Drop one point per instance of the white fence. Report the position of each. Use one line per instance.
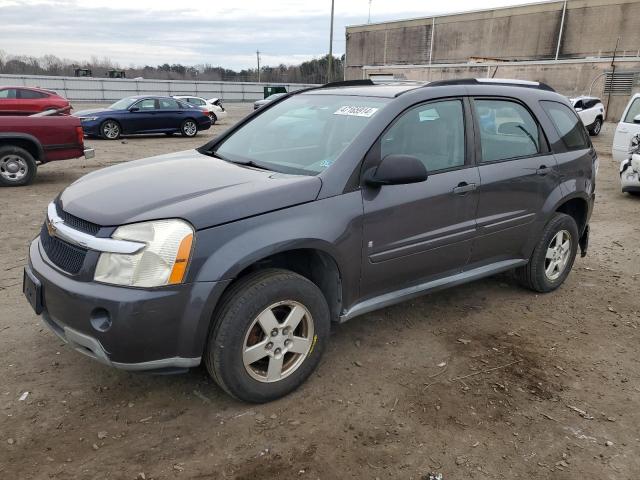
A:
(112, 89)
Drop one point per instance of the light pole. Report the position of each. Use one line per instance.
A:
(258, 57)
(369, 17)
(330, 64)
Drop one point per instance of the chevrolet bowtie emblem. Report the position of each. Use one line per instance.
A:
(51, 228)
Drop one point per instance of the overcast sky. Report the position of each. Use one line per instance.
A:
(225, 33)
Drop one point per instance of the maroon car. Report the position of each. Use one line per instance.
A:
(27, 101)
(27, 141)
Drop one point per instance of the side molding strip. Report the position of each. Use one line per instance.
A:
(398, 296)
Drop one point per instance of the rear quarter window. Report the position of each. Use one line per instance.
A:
(567, 124)
(30, 94)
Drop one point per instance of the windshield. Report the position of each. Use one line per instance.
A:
(303, 134)
(123, 104)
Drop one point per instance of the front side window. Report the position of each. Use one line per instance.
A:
(507, 130)
(634, 111)
(567, 124)
(433, 132)
(303, 134)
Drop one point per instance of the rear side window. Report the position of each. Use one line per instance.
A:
(567, 124)
(8, 93)
(507, 130)
(634, 110)
(433, 132)
(168, 104)
(30, 94)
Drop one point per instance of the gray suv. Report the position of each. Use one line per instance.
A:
(321, 206)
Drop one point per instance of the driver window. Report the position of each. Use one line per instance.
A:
(433, 132)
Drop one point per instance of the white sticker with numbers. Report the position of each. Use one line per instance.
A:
(356, 111)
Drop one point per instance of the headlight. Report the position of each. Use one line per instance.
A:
(88, 119)
(163, 261)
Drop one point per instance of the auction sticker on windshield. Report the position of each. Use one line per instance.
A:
(356, 111)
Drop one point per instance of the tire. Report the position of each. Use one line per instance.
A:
(110, 130)
(594, 130)
(17, 167)
(213, 118)
(236, 326)
(535, 275)
(189, 128)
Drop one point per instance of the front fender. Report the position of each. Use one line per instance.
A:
(332, 225)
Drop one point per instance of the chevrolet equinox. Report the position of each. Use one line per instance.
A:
(323, 205)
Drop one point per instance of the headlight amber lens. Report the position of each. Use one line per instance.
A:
(163, 261)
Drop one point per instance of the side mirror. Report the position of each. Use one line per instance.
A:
(397, 170)
(134, 109)
(636, 119)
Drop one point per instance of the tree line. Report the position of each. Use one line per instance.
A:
(312, 71)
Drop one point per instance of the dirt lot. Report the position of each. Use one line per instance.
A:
(482, 381)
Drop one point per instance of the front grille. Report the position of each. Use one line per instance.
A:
(65, 256)
(77, 223)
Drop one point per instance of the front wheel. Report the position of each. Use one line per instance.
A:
(268, 336)
(553, 256)
(596, 127)
(189, 128)
(17, 167)
(110, 129)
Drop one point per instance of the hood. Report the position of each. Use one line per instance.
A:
(203, 190)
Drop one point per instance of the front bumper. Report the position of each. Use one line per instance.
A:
(128, 328)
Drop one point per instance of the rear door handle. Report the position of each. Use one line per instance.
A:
(543, 170)
(463, 188)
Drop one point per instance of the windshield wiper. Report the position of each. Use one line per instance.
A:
(248, 163)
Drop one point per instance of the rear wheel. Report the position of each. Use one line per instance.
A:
(17, 167)
(110, 129)
(594, 130)
(553, 256)
(189, 128)
(213, 118)
(268, 336)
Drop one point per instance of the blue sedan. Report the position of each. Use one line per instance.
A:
(144, 114)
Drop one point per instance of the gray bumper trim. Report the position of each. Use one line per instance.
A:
(91, 347)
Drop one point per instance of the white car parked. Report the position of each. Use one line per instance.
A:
(213, 105)
(630, 168)
(591, 112)
(628, 127)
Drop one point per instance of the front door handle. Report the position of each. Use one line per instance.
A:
(543, 170)
(463, 188)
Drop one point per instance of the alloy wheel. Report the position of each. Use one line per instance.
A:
(557, 256)
(278, 341)
(189, 128)
(111, 130)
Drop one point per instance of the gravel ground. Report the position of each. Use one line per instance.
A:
(483, 381)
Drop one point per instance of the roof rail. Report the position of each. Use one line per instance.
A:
(348, 83)
(492, 81)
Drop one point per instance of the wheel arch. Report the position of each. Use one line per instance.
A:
(311, 261)
(26, 141)
(576, 207)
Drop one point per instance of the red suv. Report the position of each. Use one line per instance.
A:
(27, 100)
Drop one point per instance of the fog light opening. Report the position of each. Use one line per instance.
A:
(100, 319)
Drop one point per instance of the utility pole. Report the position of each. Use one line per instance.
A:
(258, 57)
(330, 64)
(369, 17)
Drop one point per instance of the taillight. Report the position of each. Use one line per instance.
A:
(79, 135)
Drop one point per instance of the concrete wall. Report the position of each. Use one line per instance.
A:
(529, 32)
(569, 77)
(110, 90)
